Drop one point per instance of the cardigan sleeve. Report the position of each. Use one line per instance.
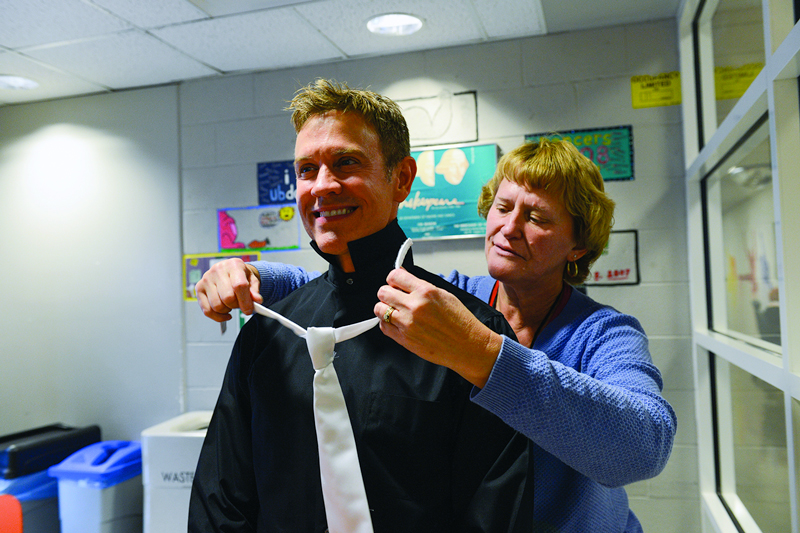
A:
(278, 280)
(601, 413)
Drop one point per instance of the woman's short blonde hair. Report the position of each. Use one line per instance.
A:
(556, 166)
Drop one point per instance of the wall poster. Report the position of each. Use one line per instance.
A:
(656, 91)
(259, 228)
(619, 262)
(444, 198)
(447, 118)
(276, 182)
(611, 149)
(195, 265)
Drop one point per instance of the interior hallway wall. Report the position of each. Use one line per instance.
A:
(90, 321)
(551, 83)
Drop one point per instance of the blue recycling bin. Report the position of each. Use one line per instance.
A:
(24, 459)
(100, 488)
(38, 496)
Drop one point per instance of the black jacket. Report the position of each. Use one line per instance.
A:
(432, 461)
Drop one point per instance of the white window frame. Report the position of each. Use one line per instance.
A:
(774, 91)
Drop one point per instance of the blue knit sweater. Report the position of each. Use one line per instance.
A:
(587, 393)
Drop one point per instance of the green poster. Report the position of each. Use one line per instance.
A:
(444, 198)
(611, 149)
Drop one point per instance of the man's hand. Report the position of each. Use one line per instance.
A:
(229, 284)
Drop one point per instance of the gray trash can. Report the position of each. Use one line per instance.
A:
(100, 488)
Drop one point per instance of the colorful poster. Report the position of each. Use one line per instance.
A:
(619, 262)
(260, 228)
(276, 183)
(444, 198)
(611, 149)
(195, 265)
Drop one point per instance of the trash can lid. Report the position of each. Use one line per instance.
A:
(34, 450)
(104, 463)
(38, 486)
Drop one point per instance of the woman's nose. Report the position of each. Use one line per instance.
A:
(511, 225)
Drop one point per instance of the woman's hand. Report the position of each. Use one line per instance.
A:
(227, 285)
(436, 326)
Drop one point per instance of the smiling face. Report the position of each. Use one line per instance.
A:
(343, 191)
(529, 237)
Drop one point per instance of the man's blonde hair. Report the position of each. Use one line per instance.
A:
(380, 112)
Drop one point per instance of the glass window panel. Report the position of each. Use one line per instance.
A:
(741, 209)
(738, 36)
(796, 426)
(759, 453)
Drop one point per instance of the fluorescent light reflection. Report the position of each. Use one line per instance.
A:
(17, 83)
(59, 169)
(397, 24)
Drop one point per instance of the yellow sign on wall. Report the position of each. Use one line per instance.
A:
(732, 82)
(656, 91)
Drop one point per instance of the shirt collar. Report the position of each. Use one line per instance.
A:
(373, 256)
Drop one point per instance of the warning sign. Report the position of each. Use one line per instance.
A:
(656, 91)
(732, 82)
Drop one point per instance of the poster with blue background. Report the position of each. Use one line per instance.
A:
(276, 182)
(444, 198)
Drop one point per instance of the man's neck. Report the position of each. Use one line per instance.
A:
(371, 253)
(346, 263)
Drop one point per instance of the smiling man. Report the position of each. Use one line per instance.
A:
(344, 189)
(431, 460)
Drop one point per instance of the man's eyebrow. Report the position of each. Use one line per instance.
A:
(337, 153)
(347, 151)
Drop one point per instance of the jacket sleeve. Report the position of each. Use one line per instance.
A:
(278, 280)
(223, 496)
(607, 420)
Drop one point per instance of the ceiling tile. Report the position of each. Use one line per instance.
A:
(52, 83)
(34, 22)
(153, 13)
(96, 45)
(564, 16)
(218, 8)
(263, 40)
(128, 59)
(511, 18)
(444, 24)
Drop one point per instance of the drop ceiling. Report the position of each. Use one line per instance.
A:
(76, 47)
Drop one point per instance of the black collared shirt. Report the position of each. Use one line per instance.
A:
(432, 461)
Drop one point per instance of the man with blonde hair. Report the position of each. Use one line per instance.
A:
(431, 460)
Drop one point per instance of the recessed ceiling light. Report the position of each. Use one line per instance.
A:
(16, 82)
(394, 24)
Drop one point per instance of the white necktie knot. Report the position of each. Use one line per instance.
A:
(320, 343)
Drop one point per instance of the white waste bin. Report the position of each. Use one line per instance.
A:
(100, 488)
(170, 451)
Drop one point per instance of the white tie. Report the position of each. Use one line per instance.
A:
(343, 491)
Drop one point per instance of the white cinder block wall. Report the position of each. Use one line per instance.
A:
(552, 83)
